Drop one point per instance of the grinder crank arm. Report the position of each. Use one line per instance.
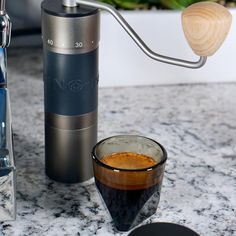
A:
(205, 25)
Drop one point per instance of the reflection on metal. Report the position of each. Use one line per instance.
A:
(3, 76)
(5, 29)
(7, 163)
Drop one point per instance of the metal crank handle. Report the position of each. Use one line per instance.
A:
(205, 25)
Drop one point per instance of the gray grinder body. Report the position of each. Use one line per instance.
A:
(70, 55)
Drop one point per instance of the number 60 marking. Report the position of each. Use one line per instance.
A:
(50, 42)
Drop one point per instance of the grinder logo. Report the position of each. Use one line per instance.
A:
(76, 85)
(73, 86)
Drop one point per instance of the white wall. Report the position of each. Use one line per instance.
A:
(122, 63)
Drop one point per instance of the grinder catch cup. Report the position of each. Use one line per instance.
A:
(70, 30)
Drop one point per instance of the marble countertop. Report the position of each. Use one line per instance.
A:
(196, 124)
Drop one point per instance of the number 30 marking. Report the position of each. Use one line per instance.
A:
(78, 44)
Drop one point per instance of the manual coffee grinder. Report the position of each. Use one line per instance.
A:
(70, 30)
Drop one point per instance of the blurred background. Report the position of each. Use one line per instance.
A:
(25, 14)
(158, 22)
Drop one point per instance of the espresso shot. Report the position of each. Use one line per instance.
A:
(129, 181)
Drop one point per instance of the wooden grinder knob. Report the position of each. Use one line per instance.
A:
(206, 25)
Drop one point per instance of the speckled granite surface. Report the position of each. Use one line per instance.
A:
(196, 124)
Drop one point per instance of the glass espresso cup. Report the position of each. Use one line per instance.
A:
(128, 173)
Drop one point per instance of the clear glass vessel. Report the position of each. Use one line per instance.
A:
(130, 194)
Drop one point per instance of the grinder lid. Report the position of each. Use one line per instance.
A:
(163, 229)
(56, 8)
